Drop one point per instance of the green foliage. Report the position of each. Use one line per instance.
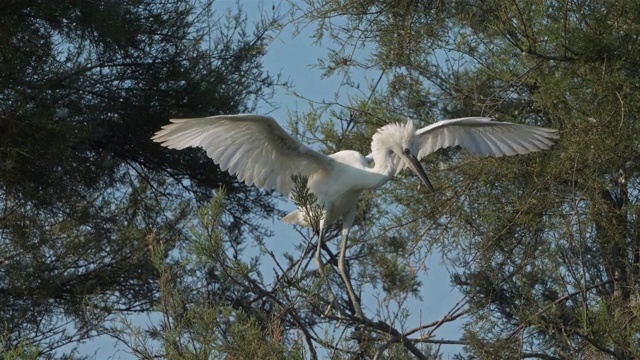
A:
(82, 188)
(200, 321)
(545, 245)
(20, 351)
(307, 201)
(544, 248)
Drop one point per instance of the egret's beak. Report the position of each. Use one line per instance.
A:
(416, 167)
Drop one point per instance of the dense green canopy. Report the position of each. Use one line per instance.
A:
(83, 86)
(543, 249)
(546, 246)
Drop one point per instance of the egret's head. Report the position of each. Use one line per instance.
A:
(395, 146)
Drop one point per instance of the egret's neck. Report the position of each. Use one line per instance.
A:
(375, 180)
(383, 165)
(381, 172)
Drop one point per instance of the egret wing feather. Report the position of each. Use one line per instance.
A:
(481, 135)
(253, 147)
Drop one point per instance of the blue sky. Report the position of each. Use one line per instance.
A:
(293, 57)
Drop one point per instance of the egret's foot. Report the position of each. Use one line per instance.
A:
(333, 306)
(359, 313)
(356, 305)
(339, 312)
(329, 310)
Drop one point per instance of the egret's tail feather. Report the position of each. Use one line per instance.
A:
(295, 218)
(291, 218)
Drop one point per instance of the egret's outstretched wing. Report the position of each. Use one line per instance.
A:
(481, 135)
(253, 147)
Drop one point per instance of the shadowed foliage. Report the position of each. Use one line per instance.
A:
(543, 250)
(84, 84)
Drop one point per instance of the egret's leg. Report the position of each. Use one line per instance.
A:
(320, 265)
(318, 255)
(347, 222)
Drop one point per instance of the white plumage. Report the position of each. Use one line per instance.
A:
(483, 136)
(252, 147)
(259, 152)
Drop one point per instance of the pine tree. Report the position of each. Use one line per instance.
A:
(546, 244)
(82, 188)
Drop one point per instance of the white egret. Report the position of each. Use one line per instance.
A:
(259, 152)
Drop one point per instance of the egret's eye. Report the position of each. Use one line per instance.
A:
(407, 151)
(370, 163)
